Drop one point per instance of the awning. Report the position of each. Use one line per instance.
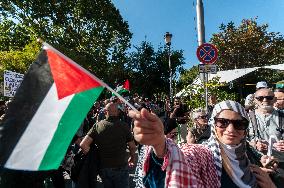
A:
(230, 75)
(227, 76)
(278, 67)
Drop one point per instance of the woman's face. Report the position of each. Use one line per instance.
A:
(229, 135)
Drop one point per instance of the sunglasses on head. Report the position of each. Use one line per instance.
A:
(238, 124)
(260, 98)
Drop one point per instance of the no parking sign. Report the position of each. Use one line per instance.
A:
(207, 53)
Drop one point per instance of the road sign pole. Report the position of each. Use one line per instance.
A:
(206, 92)
(207, 54)
(201, 40)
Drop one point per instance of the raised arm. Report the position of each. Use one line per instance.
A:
(149, 130)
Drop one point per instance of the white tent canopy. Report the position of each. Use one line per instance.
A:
(278, 67)
(228, 76)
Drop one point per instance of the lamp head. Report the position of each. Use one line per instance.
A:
(168, 38)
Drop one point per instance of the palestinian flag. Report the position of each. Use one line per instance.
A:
(125, 88)
(48, 108)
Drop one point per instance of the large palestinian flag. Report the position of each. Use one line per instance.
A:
(47, 110)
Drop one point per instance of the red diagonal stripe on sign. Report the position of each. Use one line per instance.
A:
(206, 53)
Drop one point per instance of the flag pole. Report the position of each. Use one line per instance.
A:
(88, 73)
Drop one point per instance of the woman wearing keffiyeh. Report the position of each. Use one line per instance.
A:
(222, 163)
(229, 123)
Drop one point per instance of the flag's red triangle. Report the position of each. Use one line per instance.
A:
(126, 85)
(67, 77)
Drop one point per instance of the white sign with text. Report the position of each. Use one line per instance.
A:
(12, 80)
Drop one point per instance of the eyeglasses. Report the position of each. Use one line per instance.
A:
(260, 98)
(202, 117)
(238, 124)
(280, 99)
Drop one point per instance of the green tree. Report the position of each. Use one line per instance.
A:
(13, 36)
(248, 45)
(18, 60)
(244, 46)
(91, 32)
(196, 97)
(149, 70)
(188, 76)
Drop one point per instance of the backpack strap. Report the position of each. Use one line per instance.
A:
(254, 124)
(280, 128)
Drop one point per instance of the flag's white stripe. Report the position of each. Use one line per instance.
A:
(33, 144)
(118, 88)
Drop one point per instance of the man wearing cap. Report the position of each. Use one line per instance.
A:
(264, 123)
(249, 102)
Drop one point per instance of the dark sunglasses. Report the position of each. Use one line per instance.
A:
(238, 124)
(203, 117)
(260, 98)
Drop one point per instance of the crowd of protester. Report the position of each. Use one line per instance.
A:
(227, 145)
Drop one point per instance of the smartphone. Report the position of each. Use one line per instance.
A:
(270, 164)
(272, 140)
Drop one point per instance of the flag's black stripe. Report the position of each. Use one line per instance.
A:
(27, 100)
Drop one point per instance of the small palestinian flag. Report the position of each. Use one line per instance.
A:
(125, 88)
(48, 108)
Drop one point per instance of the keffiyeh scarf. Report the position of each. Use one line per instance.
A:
(232, 158)
(190, 165)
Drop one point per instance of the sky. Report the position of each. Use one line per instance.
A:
(150, 19)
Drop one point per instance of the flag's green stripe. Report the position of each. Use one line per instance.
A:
(68, 126)
(121, 91)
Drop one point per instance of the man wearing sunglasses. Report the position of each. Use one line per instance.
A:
(264, 122)
(200, 131)
(249, 102)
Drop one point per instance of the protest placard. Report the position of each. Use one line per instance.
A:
(12, 80)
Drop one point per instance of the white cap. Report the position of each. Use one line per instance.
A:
(261, 84)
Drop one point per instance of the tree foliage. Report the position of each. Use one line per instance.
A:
(188, 76)
(248, 45)
(244, 46)
(149, 70)
(18, 60)
(91, 32)
(197, 93)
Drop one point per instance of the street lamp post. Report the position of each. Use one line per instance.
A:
(168, 38)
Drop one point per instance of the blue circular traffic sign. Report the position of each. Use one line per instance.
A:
(207, 53)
